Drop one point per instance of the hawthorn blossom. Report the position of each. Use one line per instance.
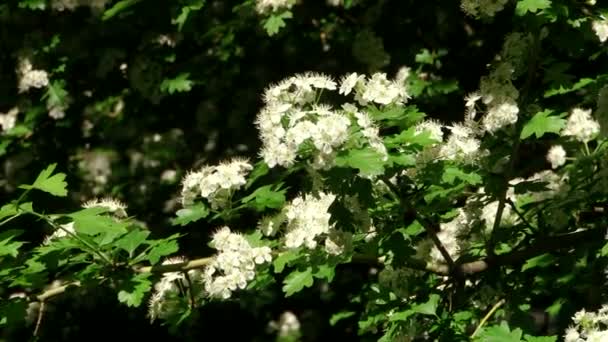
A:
(581, 125)
(30, 77)
(588, 326)
(8, 119)
(556, 156)
(600, 27)
(500, 115)
(115, 207)
(215, 183)
(307, 219)
(269, 6)
(234, 266)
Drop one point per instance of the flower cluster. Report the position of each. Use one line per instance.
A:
(581, 125)
(270, 6)
(71, 5)
(235, 264)
(450, 234)
(479, 8)
(600, 27)
(556, 156)
(116, 208)
(215, 183)
(293, 124)
(288, 325)
(30, 77)
(377, 89)
(589, 326)
(461, 145)
(496, 90)
(8, 119)
(308, 218)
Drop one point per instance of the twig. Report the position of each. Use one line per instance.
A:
(426, 225)
(487, 316)
(39, 319)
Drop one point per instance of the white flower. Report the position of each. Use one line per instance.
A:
(581, 125)
(30, 78)
(268, 6)
(600, 27)
(556, 156)
(349, 82)
(307, 219)
(8, 119)
(460, 145)
(380, 90)
(115, 207)
(499, 116)
(215, 183)
(234, 266)
(433, 127)
(449, 237)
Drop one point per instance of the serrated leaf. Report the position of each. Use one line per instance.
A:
(297, 280)
(7, 246)
(542, 260)
(532, 6)
(583, 82)
(132, 240)
(368, 161)
(410, 137)
(275, 22)
(190, 214)
(90, 221)
(133, 291)
(541, 123)
(335, 318)
(325, 271)
(117, 8)
(428, 308)
(265, 197)
(402, 159)
(180, 20)
(56, 95)
(283, 259)
(500, 333)
(55, 184)
(161, 249)
(450, 174)
(180, 83)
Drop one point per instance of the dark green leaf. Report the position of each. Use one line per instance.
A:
(132, 292)
(283, 259)
(335, 318)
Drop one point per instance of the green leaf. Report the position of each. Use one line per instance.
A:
(117, 8)
(325, 271)
(402, 159)
(297, 280)
(450, 174)
(335, 318)
(428, 308)
(410, 137)
(185, 13)
(55, 184)
(132, 292)
(500, 333)
(542, 123)
(283, 259)
(180, 83)
(368, 161)
(583, 82)
(542, 260)
(7, 246)
(33, 4)
(132, 240)
(275, 22)
(56, 95)
(90, 221)
(190, 214)
(532, 6)
(162, 248)
(266, 197)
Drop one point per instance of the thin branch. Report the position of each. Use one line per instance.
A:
(425, 224)
(487, 316)
(39, 319)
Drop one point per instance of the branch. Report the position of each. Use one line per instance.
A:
(430, 230)
(157, 269)
(542, 245)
